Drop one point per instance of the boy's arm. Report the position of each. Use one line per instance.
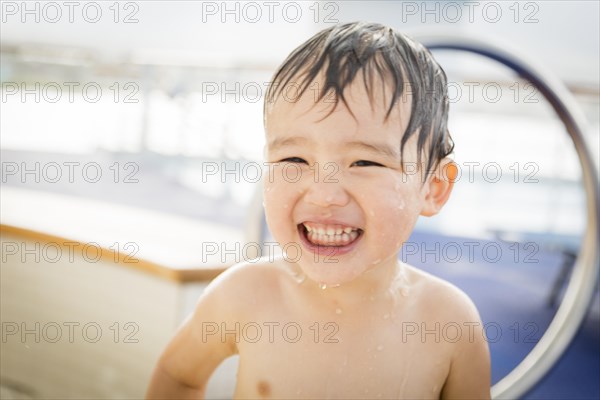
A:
(470, 374)
(194, 352)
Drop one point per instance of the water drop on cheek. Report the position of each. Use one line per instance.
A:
(338, 311)
(323, 285)
(401, 205)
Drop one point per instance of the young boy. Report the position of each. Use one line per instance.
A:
(350, 114)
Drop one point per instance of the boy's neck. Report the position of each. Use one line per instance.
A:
(384, 281)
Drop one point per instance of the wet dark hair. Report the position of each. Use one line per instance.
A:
(342, 51)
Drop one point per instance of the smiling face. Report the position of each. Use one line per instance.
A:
(337, 190)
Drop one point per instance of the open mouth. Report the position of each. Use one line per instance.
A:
(329, 236)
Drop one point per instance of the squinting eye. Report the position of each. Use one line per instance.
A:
(366, 163)
(294, 160)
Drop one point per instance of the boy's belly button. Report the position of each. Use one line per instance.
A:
(263, 388)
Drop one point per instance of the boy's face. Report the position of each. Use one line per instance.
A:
(337, 199)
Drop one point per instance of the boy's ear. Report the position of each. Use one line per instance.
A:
(440, 185)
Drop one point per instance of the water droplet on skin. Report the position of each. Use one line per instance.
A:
(400, 285)
(300, 278)
(335, 285)
(268, 189)
(297, 275)
(379, 348)
(401, 205)
(376, 261)
(386, 316)
(323, 285)
(338, 311)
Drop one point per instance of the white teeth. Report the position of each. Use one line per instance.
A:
(331, 235)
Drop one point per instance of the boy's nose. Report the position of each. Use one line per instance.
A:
(326, 193)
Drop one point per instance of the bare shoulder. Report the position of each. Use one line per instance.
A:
(246, 284)
(440, 298)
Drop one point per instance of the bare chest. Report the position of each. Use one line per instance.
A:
(336, 359)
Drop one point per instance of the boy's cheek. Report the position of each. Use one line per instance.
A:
(276, 221)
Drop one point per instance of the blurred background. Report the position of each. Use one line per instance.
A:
(136, 128)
